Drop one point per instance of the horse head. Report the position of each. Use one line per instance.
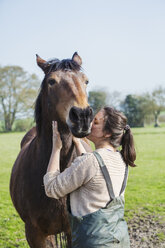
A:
(63, 96)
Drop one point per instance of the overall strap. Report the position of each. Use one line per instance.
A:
(125, 180)
(105, 174)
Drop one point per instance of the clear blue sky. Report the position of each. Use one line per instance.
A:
(121, 42)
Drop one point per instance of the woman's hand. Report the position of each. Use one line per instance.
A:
(76, 141)
(56, 139)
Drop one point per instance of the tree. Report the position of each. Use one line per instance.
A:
(139, 107)
(97, 100)
(18, 90)
(132, 108)
(144, 102)
(157, 103)
(154, 103)
(114, 99)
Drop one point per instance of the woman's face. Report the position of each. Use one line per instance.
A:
(97, 126)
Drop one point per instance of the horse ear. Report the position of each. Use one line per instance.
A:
(77, 58)
(42, 63)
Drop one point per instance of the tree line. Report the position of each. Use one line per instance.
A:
(19, 89)
(139, 109)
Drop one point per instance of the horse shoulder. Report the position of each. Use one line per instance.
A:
(31, 134)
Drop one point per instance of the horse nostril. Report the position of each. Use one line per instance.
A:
(91, 111)
(73, 114)
(91, 114)
(83, 115)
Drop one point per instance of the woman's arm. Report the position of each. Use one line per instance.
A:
(54, 161)
(80, 172)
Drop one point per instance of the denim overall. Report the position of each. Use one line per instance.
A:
(106, 227)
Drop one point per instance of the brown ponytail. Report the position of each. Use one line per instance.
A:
(121, 135)
(128, 150)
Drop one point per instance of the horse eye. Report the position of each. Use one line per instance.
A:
(87, 82)
(51, 81)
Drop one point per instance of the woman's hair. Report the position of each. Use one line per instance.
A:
(121, 135)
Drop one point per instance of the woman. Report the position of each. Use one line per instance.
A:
(96, 182)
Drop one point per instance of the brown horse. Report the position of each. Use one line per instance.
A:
(62, 98)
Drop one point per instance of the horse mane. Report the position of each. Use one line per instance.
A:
(38, 113)
(54, 65)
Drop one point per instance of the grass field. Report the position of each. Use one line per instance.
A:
(145, 188)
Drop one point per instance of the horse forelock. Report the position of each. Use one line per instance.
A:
(65, 64)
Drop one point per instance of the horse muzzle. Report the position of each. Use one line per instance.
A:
(80, 121)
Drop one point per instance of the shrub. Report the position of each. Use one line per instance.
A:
(23, 125)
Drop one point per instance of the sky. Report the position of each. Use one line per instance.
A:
(121, 42)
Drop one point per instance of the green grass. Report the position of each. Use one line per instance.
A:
(161, 235)
(11, 226)
(144, 193)
(146, 184)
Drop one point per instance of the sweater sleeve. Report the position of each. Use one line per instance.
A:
(82, 169)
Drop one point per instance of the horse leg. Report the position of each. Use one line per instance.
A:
(37, 239)
(69, 240)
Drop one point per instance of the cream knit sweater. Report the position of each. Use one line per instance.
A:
(85, 181)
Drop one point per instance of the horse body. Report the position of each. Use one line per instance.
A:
(41, 214)
(44, 216)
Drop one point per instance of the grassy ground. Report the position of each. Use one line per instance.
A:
(145, 188)
(146, 182)
(11, 226)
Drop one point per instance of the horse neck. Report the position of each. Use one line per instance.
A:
(68, 151)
